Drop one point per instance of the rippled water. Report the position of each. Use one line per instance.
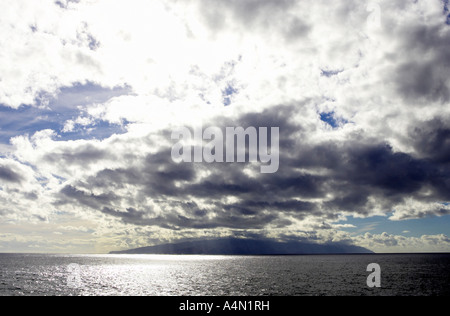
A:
(153, 275)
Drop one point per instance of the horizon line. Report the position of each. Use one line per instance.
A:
(202, 254)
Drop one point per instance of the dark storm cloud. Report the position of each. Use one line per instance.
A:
(424, 73)
(253, 207)
(278, 116)
(32, 196)
(245, 11)
(175, 221)
(379, 167)
(295, 28)
(432, 140)
(249, 9)
(156, 175)
(69, 194)
(354, 173)
(133, 216)
(83, 155)
(252, 14)
(360, 170)
(8, 175)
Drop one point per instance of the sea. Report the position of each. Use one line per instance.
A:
(178, 275)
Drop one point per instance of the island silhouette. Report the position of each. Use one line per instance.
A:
(238, 246)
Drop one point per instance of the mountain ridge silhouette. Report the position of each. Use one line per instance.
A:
(237, 246)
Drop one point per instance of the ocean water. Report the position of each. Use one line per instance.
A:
(159, 275)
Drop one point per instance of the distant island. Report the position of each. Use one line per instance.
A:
(237, 246)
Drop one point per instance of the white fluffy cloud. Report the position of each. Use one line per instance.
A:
(395, 244)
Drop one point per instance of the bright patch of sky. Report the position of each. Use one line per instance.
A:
(413, 227)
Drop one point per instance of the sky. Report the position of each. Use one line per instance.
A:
(91, 90)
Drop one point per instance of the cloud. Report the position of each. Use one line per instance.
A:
(143, 186)
(84, 155)
(253, 15)
(424, 80)
(395, 243)
(412, 209)
(9, 175)
(431, 140)
(21, 195)
(15, 174)
(45, 45)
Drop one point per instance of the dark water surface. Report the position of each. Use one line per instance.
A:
(156, 275)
